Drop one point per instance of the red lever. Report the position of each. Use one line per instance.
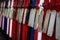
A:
(57, 4)
(18, 3)
(26, 3)
(52, 4)
(46, 4)
(37, 3)
(13, 29)
(14, 19)
(15, 4)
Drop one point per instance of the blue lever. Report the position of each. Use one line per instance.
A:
(5, 24)
(5, 18)
(30, 33)
(6, 4)
(33, 4)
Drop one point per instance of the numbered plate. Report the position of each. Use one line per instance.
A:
(31, 18)
(24, 18)
(46, 22)
(51, 23)
(20, 12)
(40, 20)
(36, 20)
(58, 26)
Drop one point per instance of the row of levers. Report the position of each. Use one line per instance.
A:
(30, 19)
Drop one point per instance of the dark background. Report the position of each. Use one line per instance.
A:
(2, 0)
